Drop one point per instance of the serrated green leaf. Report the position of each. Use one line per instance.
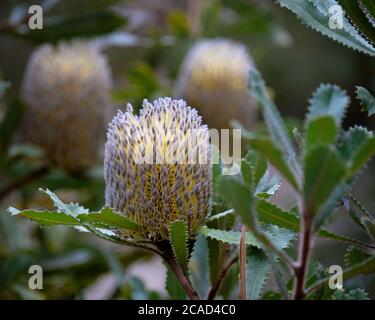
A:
(328, 100)
(315, 272)
(333, 236)
(281, 237)
(362, 268)
(358, 17)
(365, 267)
(107, 218)
(74, 214)
(45, 217)
(268, 185)
(274, 155)
(368, 7)
(278, 274)
(230, 237)
(354, 255)
(257, 270)
(352, 213)
(270, 213)
(178, 236)
(199, 269)
(315, 14)
(324, 171)
(253, 168)
(363, 154)
(71, 209)
(320, 130)
(106, 235)
(275, 123)
(352, 140)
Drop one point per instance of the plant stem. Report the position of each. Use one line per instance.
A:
(300, 269)
(17, 184)
(220, 279)
(166, 253)
(243, 264)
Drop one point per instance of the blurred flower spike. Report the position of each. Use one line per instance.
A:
(66, 89)
(214, 78)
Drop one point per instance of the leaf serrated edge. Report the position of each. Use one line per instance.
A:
(321, 87)
(370, 49)
(183, 264)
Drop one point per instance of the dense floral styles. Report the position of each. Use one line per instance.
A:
(158, 166)
(66, 89)
(214, 78)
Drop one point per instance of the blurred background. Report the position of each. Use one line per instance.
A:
(145, 42)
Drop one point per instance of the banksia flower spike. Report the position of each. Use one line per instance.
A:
(214, 78)
(67, 93)
(158, 167)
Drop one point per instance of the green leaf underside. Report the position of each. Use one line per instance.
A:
(199, 269)
(324, 171)
(76, 215)
(104, 235)
(281, 237)
(178, 236)
(367, 100)
(257, 270)
(68, 209)
(315, 14)
(174, 287)
(328, 100)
